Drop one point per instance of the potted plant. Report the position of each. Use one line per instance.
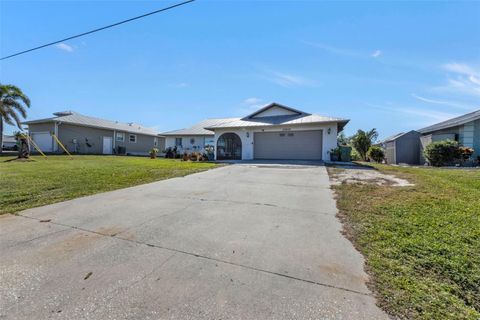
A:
(335, 154)
(153, 153)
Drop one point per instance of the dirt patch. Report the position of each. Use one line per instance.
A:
(364, 175)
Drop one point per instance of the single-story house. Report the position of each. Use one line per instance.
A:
(89, 135)
(465, 129)
(9, 142)
(194, 138)
(402, 148)
(276, 132)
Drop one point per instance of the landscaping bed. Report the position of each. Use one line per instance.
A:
(44, 181)
(421, 242)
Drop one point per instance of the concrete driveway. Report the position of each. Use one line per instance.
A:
(243, 241)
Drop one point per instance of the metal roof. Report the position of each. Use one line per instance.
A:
(199, 128)
(279, 120)
(472, 116)
(82, 120)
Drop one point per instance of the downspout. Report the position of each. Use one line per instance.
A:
(114, 138)
(55, 132)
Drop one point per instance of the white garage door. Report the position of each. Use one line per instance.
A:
(288, 145)
(43, 140)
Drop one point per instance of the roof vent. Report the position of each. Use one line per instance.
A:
(63, 113)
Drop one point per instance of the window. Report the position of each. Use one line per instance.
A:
(290, 134)
(155, 142)
(121, 136)
(282, 134)
(178, 142)
(132, 138)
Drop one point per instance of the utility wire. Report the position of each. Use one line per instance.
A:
(99, 29)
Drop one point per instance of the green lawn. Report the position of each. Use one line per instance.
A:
(30, 184)
(421, 243)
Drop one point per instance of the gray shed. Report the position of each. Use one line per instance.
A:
(402, 148)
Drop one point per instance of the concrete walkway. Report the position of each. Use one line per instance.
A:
(244, 241)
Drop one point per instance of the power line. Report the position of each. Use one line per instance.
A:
(99, 29)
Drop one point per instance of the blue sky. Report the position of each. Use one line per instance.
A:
(394, 66)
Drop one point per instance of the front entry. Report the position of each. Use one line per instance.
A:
(107, 145)
(229, 147)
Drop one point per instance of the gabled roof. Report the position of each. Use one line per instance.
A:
(199, 128)
(472, 116)
(87, 121)
(396, 136)
(293, 117)
(289, 111)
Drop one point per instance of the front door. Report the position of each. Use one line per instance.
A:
(107, 145)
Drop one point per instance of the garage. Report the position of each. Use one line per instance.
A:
(43, 140)
(288, 145)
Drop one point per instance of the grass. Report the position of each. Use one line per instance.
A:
(421, 243)
(25, 185)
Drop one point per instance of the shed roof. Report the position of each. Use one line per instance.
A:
(472, 116)
(82, 120)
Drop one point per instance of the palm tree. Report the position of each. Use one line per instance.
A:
(13, 104)
(363, 140)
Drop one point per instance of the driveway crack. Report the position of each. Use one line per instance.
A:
(214, 259)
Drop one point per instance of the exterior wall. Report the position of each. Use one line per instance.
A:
(246, 136)
(274, 111)
(141, 147)
(407, 148)
(68, 133)
(476, 138)
(187, 146)
(390, 152)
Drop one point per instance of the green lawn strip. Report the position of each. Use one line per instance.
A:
(25, 185)
(421, 243)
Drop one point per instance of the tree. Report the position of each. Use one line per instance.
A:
(342, 139)
(13, 105)
(363, 140)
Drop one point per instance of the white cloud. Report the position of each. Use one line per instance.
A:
(427, 115)
(460, 68)
(332, 49)
(64, 47)
(253, 100)
(288, 80)
(444, 102)
(464, 79)
(377, 53)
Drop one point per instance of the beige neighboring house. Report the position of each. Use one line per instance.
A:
(88, 135)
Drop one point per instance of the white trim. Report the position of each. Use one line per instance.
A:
(114, 139)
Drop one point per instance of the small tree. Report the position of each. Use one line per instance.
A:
(363, 140)
(442, 153)
(376, 154)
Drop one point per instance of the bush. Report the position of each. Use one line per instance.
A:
(355, 156)
(376, 154)
(442, 153)
(362, 141)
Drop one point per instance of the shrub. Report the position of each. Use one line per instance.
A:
(442, 153)
(376, 154)
(362, 141)
(355, 156)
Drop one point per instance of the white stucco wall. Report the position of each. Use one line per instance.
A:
(246, 136)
